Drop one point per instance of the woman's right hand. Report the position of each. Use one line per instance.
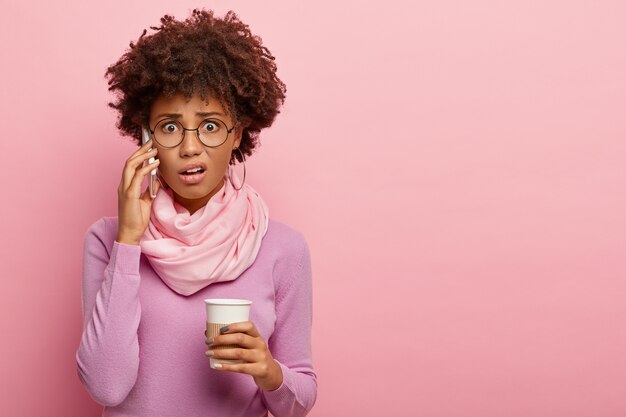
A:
(133, 207)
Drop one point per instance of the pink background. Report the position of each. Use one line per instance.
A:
(458, 169)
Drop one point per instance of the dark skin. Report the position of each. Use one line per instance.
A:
(134, 216)
(252, 349)
(193, 197)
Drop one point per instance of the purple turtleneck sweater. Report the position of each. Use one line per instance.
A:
(142, 348)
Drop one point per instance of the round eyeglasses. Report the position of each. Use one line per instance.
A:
(211, 132)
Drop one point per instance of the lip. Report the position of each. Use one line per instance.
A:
(192, 179)
(191, 166)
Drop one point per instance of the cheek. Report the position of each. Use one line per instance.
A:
(164, 166)
(167, 168)
(219, 160)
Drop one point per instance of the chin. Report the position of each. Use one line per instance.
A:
(196, 191)
(192, 192)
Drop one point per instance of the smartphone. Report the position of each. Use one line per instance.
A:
(153, 173)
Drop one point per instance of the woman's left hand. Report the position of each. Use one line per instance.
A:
(252, 350)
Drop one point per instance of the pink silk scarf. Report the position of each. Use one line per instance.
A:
(217, 243)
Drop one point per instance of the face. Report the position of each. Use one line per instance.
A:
(192, 191)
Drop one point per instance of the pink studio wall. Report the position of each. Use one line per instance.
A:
(458, 169)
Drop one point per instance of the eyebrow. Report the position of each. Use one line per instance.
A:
(178, 115)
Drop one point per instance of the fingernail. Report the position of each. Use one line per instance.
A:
(217, 365)
(209, 341)
(224, 329)
(209, 353)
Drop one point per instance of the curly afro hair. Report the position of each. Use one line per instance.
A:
(202, 55)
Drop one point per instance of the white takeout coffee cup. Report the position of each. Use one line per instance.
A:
(221, 312)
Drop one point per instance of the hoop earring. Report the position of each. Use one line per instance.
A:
(243, 158)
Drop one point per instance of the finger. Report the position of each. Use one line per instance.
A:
(143, 148)
(240, 339)
(134, 189)
(133, 164)
(246, 327)
(247, 355)
(242, 368)
(131, 167)
(142, 154)
(146, 196)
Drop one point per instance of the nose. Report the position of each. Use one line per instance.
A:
(190, 145)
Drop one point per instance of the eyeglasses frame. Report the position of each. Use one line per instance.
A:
(197, 130)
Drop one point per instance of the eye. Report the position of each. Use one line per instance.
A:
(210, 126)
(169, 127)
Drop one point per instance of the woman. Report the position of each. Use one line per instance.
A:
(203, 89)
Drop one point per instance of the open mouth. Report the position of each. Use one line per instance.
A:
(193, 171)
(193, 176)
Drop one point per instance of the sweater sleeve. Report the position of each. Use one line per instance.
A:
(108, 355)
(290, 343)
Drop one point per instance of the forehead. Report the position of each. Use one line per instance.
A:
(187, 107)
